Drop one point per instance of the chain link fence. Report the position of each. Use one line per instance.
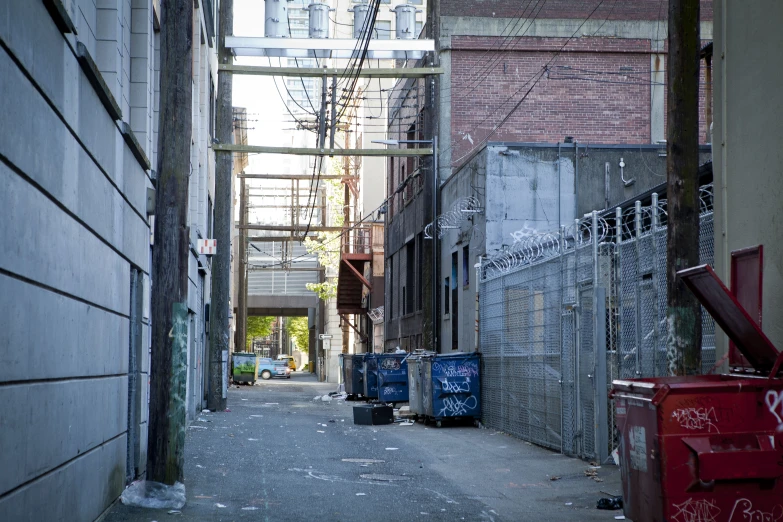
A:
(564, 314)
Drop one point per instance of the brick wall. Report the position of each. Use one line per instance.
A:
(581, 9)
(596, 90)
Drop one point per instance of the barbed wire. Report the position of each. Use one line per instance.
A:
(460, 211)
(531, 245)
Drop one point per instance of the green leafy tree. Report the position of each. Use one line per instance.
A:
(327, 245)
(297, 329)
(258, 326)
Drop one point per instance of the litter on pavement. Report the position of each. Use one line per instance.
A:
(610, 503)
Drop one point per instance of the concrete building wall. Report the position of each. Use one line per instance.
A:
(77, 150)
(75, 223)
(527, 188)
(748, 164)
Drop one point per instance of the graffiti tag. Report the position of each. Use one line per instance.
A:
(696, 511)
(456, 387)
(697, 419)
(466, 369)
(774, 400)
(390, 364)
(455, 406)
(747, 513)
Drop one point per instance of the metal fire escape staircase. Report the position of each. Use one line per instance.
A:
(355, 254)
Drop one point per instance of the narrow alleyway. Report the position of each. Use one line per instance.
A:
(280, 455)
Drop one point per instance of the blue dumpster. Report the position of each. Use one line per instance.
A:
(353, 373)
(451, 386)
(393, 377)
(370, 376)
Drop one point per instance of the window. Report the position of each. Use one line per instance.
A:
(212, 108)
(210, 218)
(446, 301)
(454, 301)
(465, 266)
(410, 271)
(419, 271)
(382, 29)
(392, 315)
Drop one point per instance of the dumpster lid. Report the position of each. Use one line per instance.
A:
(733, 319)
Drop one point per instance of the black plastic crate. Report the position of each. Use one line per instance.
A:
(368, 414)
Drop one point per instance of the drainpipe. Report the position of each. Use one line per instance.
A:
(559, 190)
(478, 274)
(708, 96)
(576, 179)
(435, 279)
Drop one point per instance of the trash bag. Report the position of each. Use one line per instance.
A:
(149, 494)
(610, 503)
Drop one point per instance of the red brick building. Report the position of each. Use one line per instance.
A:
(532, 71)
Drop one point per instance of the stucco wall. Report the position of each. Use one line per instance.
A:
(748, 162)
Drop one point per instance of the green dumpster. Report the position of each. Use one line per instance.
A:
(245, 367)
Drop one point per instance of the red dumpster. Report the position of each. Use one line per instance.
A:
(705, 448)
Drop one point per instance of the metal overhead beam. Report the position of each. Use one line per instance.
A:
(315, 72)
(286, 228)
(305, 177)
(281, 269)
(274, 239)
(347, 48)
(257, 149)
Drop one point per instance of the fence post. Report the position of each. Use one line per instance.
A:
(654, 238)
(600, 392)
(637, 290)
(578, 443)
(561, 306)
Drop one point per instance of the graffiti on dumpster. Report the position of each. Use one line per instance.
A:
(390, 363)
(696, 419)
(466, 369)
(774, 400)
(696, 511)
(743, 512)
(389, 390)
(455, 406)
(637, 440)
(456, 387)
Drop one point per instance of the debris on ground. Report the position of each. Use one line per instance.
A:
(610, 503)
(149, 494)
(554, 477)
(591, 472)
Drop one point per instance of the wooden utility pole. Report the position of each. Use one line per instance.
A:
(166, 440)
(683, 343)
(221, 262)
(241, 341)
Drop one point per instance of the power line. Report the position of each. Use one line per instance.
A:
(535, 79)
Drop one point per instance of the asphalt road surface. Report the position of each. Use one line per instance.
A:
(280, 454)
